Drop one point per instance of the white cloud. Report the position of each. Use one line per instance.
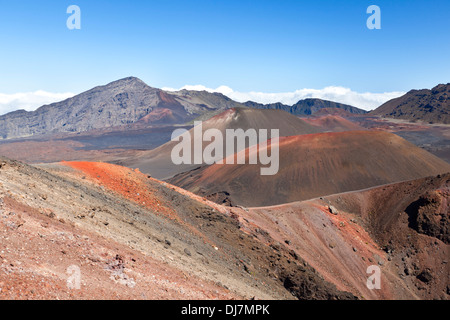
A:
(29, 100)
(367, 100)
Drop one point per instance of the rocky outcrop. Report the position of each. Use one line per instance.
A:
(306, 107)
(429, 214)
(424, 105)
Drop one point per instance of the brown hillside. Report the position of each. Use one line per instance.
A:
(158, 162)
(316, 165)
(425, 105)
(333, 123)
(133, 237)
(402, 228)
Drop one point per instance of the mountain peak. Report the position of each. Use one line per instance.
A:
(122, 102)
(427, 105)
(128, 81)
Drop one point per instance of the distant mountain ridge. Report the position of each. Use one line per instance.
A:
(122, 102)
(306, 107)
(131, 102)
(424, 105)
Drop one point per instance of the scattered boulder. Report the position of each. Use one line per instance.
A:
(425, 276)
(333, 210)
(378, 259)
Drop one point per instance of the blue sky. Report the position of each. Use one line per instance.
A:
(263, 46)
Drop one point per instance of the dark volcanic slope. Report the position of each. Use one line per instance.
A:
(401, 227)
(123, 102)
(317, 165)
(158, 162)
(410, 220)
(426, 105)
(306, 106)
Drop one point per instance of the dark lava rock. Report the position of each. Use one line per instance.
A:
(429, 215)
(425, 276)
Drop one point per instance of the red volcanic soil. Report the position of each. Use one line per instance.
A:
(86, 214)
(134, 186)
(131, 184)
(333, 123)
(224, 116)
(115, 224)
(316, 165)
(167, 98)
(159, 164)
(241, 118)
(36, 252)
(157, 115)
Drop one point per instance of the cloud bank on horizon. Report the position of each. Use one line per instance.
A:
(29, 101)
(366, 101)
